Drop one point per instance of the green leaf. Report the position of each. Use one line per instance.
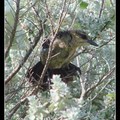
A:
(83, 5)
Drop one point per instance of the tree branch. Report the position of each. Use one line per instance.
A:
(83, 90)
(101, 89)
(101, 8)
(107, 75)
(35, 89)
(14, 28)
(16, 107)
(106, 24)
(13, 73)
(50, 47)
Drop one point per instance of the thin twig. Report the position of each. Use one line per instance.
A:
(90, 90)
(21, 102)
(82, 83)
(63, 9)
(14, 28)
(83, 90)
(49, 55)
(106, 42)
(74, 18)
(101, 8)
(13, 73)
(39, 19)
(12, 11)
(35, 89)
(106, 24)
(73, 21)
(101, 89)
(50, 47)
(50, 17)
(111, 3)
(13, 110)
(28, 9)
(8, 23)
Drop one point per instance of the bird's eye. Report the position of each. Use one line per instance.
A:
(83, 36)
(59, 34)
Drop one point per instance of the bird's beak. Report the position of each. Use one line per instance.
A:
(92, 42)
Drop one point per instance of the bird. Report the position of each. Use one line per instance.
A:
(63, 49)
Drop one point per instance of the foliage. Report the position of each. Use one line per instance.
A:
(90, 97)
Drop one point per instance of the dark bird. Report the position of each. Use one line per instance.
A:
(63, 49)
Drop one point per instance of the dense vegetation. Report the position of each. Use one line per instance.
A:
(90, 97)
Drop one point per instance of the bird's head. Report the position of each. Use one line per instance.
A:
(82, 39)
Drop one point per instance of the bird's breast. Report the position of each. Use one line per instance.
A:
(61, 55)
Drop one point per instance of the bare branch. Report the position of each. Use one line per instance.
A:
(28, 9)
(22, 101)
(71, 14)
(111, 3)
(105, 25)
(8, 24)
(107, 42)
(101, 8)
(16, 107)
(73, 21)
(101, 89)
(35, 90)
(50, 17)
(50, 47)
(13, 73)
(63, 9)
(83, 90)
(12, 9)
(14, 28)
(107, 75)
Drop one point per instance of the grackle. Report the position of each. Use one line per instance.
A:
(63, 49)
